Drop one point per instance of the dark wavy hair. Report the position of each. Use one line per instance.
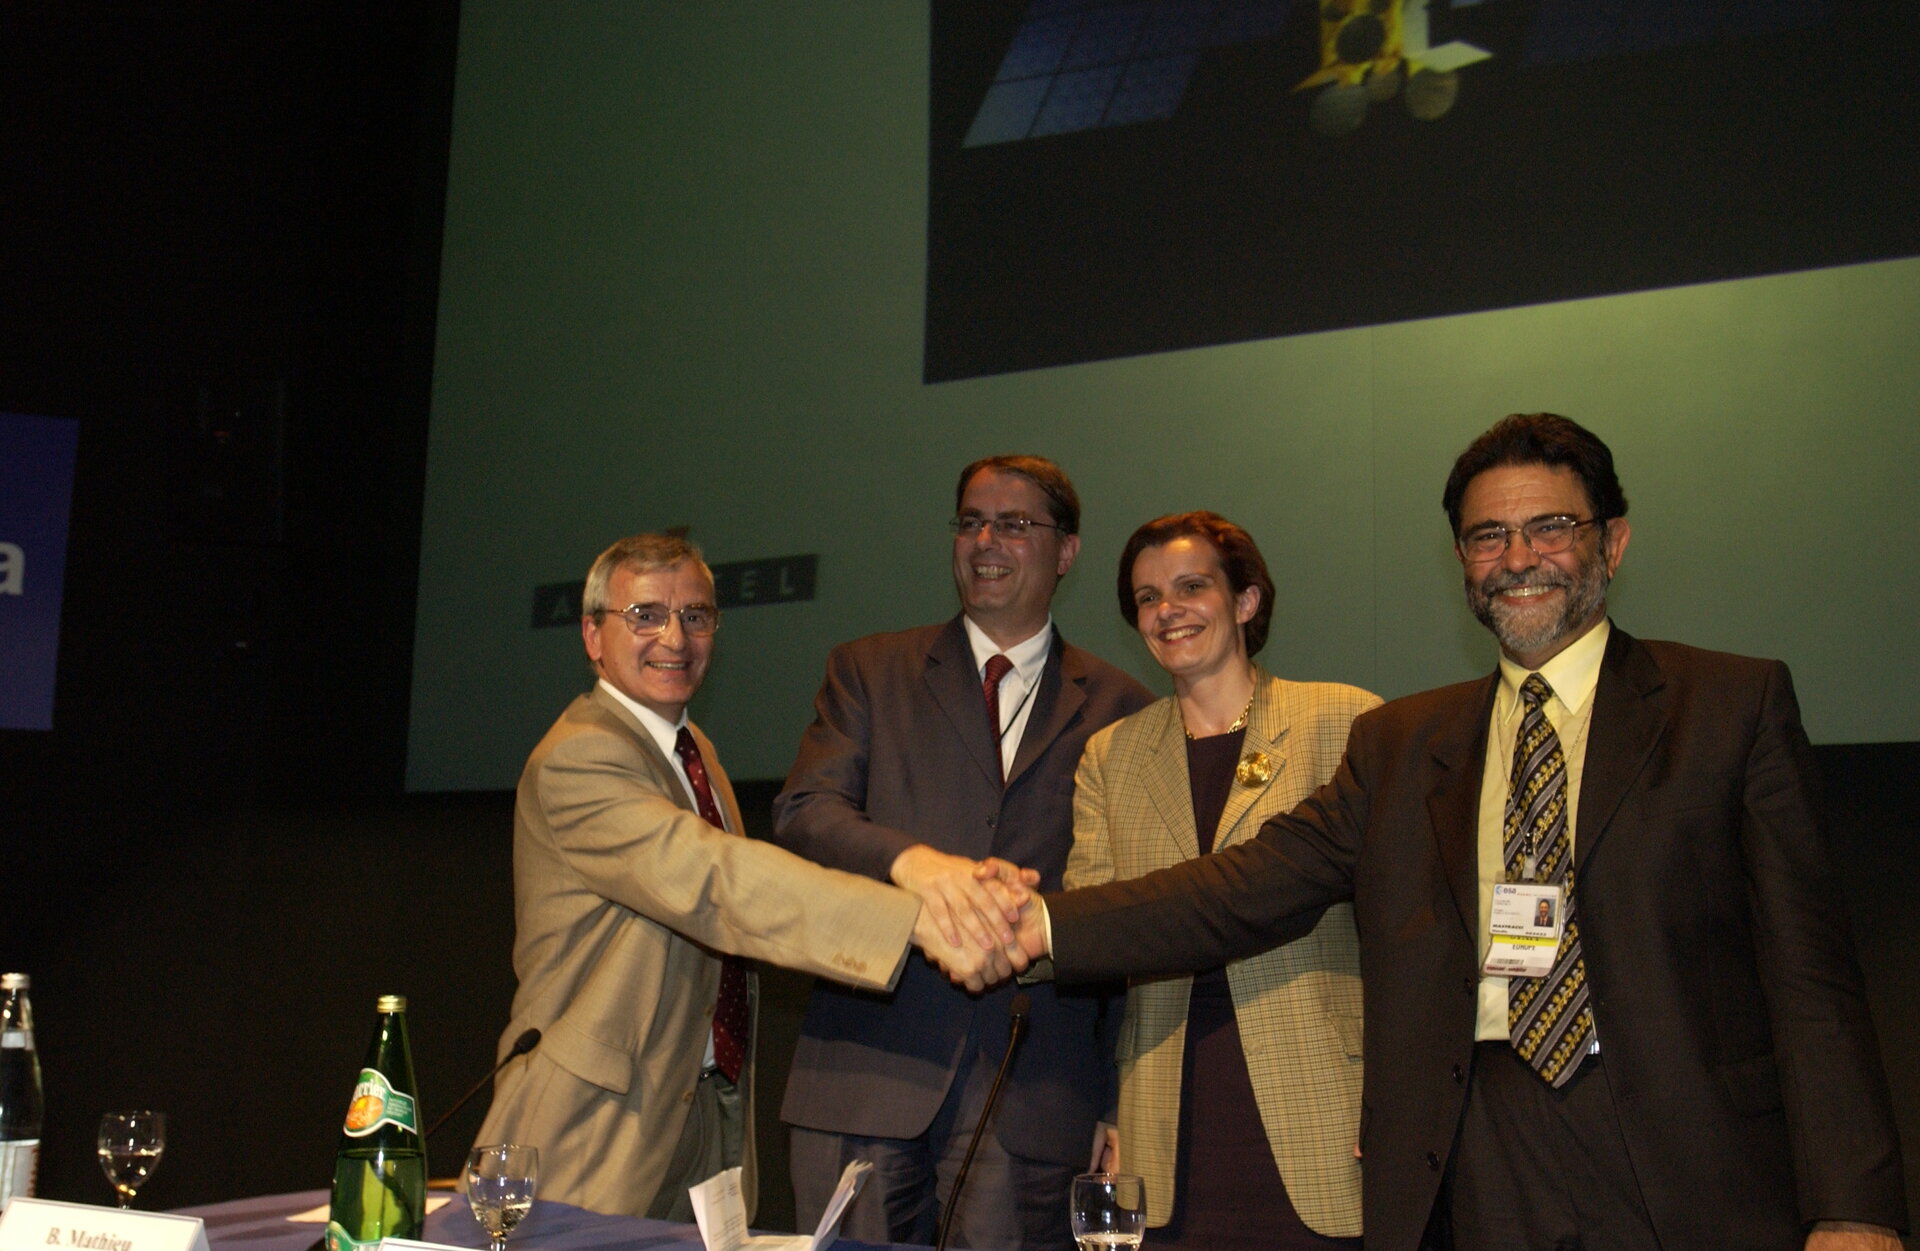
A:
(1062, 501)
(1239, 556)
(1539, 439)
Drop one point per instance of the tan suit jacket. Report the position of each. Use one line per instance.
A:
(622, 898)
(1298, 1004)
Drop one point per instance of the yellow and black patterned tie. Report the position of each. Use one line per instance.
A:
(1548, 1018)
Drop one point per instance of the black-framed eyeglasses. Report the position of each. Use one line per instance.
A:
(1547, 536)
(647, 620)
(1005, 527)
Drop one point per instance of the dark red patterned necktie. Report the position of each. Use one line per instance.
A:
(730, 1017)
(998, 667)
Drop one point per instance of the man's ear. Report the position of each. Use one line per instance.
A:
(590, 636)
(1615, 546)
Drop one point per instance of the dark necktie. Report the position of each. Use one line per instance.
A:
(998, 667)
(1548, 1018)
(730, 1016)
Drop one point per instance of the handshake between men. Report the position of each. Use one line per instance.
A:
(970, 914)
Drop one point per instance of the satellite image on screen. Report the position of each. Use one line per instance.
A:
(1114, 177)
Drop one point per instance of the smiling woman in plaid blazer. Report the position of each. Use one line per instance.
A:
(1239, 1088)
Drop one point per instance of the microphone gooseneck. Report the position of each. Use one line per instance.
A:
(1017, 1009)
(521, 1045)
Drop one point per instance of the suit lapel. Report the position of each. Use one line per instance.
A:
(1267, 725)
(1629, 716)
(717, 778)
(669, 780)
(1459, 753)
(955, 687)
(1056, 705)
(1164, 776)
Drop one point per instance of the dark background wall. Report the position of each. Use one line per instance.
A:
(227, 212)
(208, 865)
(233, 201)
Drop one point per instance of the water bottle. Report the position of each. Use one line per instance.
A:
(21, 1102)
(380, 1173)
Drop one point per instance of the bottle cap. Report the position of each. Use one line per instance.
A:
(391, 1003)
(16, 981)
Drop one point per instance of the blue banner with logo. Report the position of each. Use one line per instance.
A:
(36, 495)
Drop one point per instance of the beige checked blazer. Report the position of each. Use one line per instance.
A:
(1298, 1005)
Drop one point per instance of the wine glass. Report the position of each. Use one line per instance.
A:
(130, 1144)
(499, 1182)
(1108, 1210)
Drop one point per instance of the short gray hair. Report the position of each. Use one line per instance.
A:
(642, 553)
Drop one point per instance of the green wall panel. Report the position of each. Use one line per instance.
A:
(682, 285)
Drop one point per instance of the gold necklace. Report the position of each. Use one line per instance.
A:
(1239, 722)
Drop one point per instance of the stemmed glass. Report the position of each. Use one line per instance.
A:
(1108, 1210)
(499, 1181)
(130, 1144)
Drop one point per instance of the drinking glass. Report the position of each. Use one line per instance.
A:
(130, 1144)
(1108, 1211)
(499, 1181)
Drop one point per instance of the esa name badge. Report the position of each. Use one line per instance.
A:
(1525, 928)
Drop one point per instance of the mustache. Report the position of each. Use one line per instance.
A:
(1539, 575)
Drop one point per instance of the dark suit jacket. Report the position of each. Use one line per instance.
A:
(1725, 992)
(900, 753)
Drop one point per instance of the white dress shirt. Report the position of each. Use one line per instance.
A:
(1029, 657)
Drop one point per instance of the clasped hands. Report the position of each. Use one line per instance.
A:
(971, 912)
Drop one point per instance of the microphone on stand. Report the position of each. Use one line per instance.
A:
(521, 1045)
(1017, 1009)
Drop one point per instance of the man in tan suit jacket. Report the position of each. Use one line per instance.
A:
(625, 898)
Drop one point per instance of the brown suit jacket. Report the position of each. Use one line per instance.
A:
(623, 895)
(1298, 1005)
(900, 752)
(1728, 1003)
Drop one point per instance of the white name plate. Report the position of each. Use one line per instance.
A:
(44, 1224)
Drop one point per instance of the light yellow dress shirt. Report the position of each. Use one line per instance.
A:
(1573, 675)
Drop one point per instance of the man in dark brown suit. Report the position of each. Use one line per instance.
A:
(910, 774)
(1697, 1067)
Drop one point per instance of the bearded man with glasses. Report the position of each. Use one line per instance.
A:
(1686, 1059)
(638, 907)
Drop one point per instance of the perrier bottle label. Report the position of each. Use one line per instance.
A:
(380, 1171)
(376, 1103)
(370, 1180)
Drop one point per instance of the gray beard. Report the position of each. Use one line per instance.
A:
(1522, 631)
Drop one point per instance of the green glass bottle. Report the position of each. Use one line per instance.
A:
(380, 1175)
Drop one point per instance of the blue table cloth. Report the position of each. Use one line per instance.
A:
(261, 1224)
